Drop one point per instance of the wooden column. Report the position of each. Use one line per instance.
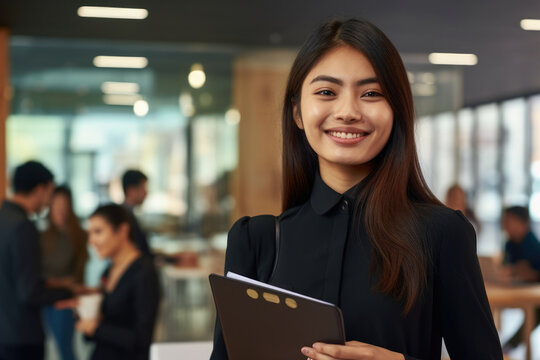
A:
(259, 86)
(5, 97)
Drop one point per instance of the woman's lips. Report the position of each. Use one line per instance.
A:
(347, 137)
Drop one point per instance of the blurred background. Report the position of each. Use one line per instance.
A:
(192, 97)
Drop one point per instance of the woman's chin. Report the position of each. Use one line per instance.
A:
(101, 254)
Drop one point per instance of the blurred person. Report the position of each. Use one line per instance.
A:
(522, 248)
(64, 255)
(521, 257)
(23, 291)
(456, 198)
(130, 290)
(134, 184)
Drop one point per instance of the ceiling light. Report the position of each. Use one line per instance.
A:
(453, 59)
(530, 24)
(196, 77)
(121, 99)
(232, 116)
(140, 107)
(113, 87)
(112, 12)
(131, 62)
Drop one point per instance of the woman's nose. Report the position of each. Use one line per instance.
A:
(348, 109)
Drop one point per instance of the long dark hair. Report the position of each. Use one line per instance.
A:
(73, 225)
(75, 233)
(391, 192)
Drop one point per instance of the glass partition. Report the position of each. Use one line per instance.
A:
(514, 159)
(488, 197)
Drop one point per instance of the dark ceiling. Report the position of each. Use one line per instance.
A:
(509, 57)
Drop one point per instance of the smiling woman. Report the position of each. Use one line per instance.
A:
(125, 325)
(360, 227)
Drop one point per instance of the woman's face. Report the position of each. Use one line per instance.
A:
(103, 237)
(60, 209)
(344, 113)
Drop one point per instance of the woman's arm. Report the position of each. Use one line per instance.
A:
(466, 320)
(239, 259)
(250, 252)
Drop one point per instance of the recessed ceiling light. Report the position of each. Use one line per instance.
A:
(112, 12)
(140, 108)
(121, 99)
(232, 116)
(132, 62)
(114, 87)
(530, 24)
(453, 59)
(197, 77)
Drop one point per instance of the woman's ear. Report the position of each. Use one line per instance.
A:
(123, 229)
(297, 117)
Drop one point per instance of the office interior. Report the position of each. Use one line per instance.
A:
(198, 111)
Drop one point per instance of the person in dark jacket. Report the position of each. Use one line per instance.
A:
(360, 227)
(23, 291)
(521, 257)
(134, 184)
(130, 290)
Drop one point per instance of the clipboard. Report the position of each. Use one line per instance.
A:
(267, 323)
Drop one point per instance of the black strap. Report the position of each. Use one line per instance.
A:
(276, 254)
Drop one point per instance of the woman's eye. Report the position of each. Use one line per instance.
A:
(325, 93)
(372, 94)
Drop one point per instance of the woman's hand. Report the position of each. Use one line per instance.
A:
(66, 304)
(524, 272)
(87, 326)
(352, 350)
(59, 282)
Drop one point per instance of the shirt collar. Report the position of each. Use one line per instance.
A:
(324, 198)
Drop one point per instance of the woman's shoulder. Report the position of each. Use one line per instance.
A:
(442, 223)
(437, 216)
(254, 225)
(143, 266)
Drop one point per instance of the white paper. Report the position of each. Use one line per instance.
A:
(236, 276)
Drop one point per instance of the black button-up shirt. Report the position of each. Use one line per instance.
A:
(321, 256)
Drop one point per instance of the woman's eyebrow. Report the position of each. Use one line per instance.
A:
(337, 81)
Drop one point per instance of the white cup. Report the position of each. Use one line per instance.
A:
(89, 306)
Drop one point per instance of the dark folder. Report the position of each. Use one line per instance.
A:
(267, 324)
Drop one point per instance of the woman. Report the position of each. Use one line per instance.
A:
(64, 254)
(456, 198)
(360, 227)
(130, 290)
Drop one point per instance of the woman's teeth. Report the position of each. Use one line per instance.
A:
(344, 135)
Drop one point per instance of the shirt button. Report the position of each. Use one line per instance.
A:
(345, 205)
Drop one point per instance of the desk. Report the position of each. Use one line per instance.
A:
(526, 297)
